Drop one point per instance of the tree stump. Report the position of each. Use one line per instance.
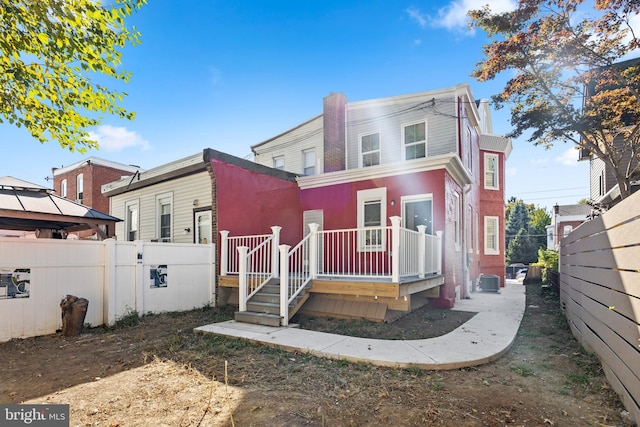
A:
(74, 310)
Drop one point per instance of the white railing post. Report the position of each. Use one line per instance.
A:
(313, 250)
(224, 252)
(422, 243)
(274, 250)
(242, 282)
(395, 249)
(439, 234)
(284, 284)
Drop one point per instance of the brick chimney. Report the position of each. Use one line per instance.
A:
(334, 132)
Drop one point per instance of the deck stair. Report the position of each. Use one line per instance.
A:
(264, 307)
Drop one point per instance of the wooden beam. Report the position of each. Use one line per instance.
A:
(364, 288)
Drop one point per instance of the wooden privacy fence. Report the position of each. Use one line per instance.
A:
(600, 293)
(117, 278)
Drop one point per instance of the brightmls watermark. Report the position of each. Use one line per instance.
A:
(34, 415)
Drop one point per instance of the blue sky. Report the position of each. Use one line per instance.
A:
(225, 74)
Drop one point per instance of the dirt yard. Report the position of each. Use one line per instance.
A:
(157, 372)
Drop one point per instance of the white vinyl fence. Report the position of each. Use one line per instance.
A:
(600, 293)
(118, 278)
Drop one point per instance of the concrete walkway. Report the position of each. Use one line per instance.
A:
(484, 338)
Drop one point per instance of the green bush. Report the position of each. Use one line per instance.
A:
(548, 260)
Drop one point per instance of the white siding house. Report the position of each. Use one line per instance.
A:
(170, 203)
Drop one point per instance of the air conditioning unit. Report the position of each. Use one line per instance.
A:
(79, 201)
(490, 283)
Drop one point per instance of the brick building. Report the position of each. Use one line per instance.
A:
(82, 183)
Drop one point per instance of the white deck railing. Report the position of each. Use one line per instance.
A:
(389, 252)
(255, 264)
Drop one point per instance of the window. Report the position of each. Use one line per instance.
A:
(370, 149)
(456, 219)
(164, 207)
(79, 188)
(566, 230)
(371, 214)
(491, 235)
(491, 171)
(476, 237)
(278, 163)
(132, 221)
(415, 140)
(468, 147)
(601, 184)
(309, 160)
(63, 188)
(469, 225)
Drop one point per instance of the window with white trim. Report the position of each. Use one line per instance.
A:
(491, 171)
(491, 235)
(63, 188)
(456, 220)
(132, 221)
(476, 237)
(566, 230)
(79, 188)
(372, 211)
(278, 163)
(309, 162)
(164, 208)
(469, 227)
(414, 137)
(370, 149)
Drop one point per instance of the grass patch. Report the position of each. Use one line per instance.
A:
(523, 371)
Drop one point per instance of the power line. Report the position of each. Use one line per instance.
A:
(549, 191)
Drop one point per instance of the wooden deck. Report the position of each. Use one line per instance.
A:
(379, 300)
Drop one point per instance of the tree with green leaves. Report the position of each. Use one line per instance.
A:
(51, 54)
(517, 220)
(556, 51)
(522, 248)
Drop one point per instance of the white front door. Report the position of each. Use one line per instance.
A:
(203, 226)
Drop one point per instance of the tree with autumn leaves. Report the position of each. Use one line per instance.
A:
(570, 80)
(53, 54)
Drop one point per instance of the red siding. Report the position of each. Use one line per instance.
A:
(339, 205)
(251, 203)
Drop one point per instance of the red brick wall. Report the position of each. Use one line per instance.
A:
(334, 132)
(492, 204)
(94, 176)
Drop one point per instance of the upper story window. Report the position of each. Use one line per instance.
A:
(63, 188)
(491, 171)
(79, 187)
(309, 162)
(370, 149)
(278, 163)
(468, 148)
(414, 137)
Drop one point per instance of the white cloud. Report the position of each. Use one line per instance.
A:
(111, 138)
(453, 16)
(569, 157)
(417, 16)
(511, 171)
